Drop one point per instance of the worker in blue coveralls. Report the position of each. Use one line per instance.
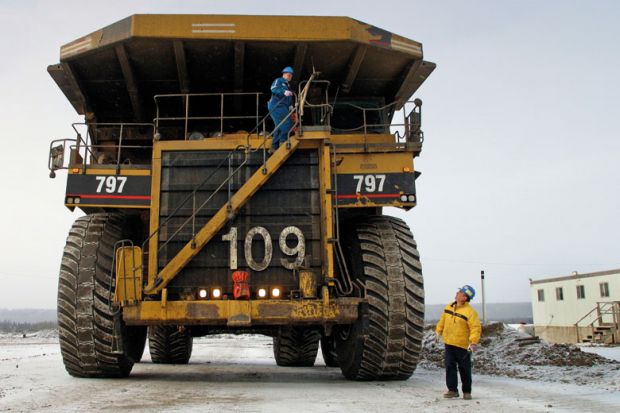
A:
(280, 105)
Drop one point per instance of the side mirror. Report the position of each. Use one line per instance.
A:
(57, 159)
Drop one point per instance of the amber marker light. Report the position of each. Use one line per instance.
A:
(75, 170)
(406, 169)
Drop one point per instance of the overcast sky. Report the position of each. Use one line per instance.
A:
(519, 167)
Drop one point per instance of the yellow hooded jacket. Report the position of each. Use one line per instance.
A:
(460, 326)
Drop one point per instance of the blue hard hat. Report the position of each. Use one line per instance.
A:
(469, 291)
(287, 69)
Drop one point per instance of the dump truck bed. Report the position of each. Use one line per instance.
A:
(112, 74)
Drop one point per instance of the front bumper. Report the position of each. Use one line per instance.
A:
(243, 313)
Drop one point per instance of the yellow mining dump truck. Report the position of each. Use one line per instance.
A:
(192, 227)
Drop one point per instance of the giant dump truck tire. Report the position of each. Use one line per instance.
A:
(296, 347)
(94, 341)
(328, 350)
(169, 345)
(385, 342)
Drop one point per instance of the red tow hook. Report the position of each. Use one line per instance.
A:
(241, 288)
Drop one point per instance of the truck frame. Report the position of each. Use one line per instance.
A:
(192, 228)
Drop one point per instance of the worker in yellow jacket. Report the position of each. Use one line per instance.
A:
(460, 328)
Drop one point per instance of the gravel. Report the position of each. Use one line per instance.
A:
(502, 352)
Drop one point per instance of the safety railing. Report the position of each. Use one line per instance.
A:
(227, 182)
(206, 106)
(605, 315)
(409, 131)
(115, 152)
(232, 172)
(406, 132)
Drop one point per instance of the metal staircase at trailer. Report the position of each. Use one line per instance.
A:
(605, 325)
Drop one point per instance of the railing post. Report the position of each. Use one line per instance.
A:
(156, 115)
(257, 112)
(616, 311)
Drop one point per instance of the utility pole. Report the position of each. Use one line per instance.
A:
(484, 303)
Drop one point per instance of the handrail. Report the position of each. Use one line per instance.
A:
(195, 210)
(57, 153)
(192, 195)
(186, 118)
(599, 309)
(602, 309)
(247, 150)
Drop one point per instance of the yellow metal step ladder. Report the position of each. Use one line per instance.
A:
(222, 216)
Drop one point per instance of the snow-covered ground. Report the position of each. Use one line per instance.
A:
(506, 352)
(239, 374)
(612, 353)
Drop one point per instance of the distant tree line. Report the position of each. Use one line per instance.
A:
(13, 327)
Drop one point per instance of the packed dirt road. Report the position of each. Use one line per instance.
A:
(239, 374)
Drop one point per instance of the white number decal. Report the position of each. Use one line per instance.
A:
(359, 179)
(232, 237)
(258, 266)
(122, 180)
(299, 249)
(112, 183)
(369, 182)
(101, 180)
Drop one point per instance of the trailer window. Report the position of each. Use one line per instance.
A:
(581, 292)
(541, 295)
(604, 289)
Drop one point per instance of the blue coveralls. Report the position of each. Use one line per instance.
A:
(279, 105)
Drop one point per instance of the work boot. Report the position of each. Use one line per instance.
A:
(466, 396)
(450, 394)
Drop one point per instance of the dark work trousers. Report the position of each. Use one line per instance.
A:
(461, 358)
(280, 135)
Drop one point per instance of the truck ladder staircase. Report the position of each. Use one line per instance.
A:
(235, 202)
(605, 328)
(222, 216)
